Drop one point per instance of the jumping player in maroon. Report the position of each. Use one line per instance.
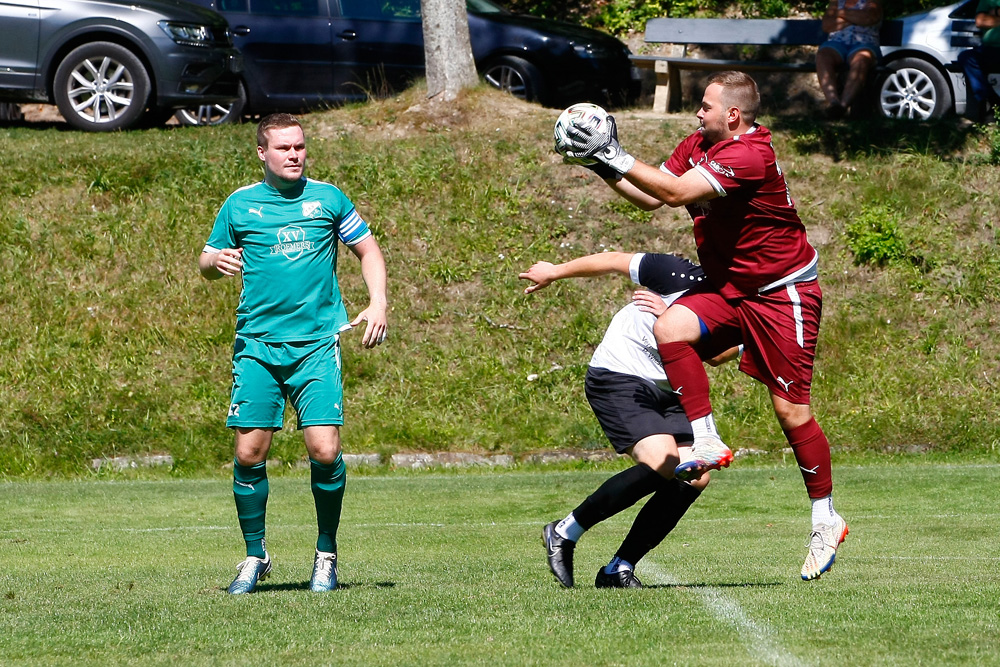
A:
(762, 282)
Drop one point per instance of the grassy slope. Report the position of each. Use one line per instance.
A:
(112, 343)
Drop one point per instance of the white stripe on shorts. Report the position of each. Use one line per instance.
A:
(793, 296)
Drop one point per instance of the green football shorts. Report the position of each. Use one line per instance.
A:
(266, 374)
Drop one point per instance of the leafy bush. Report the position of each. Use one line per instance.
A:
(874, 237)
(992, 133)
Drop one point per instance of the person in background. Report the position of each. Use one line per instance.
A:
(980, 60)
(849, 53)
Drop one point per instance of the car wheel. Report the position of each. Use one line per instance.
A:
(215, 114)
(10, 112)
(101, 87)
(515, 76)
(914, 89)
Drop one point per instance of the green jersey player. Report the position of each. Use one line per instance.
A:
(281, 236)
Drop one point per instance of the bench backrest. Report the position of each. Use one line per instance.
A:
(778, 32)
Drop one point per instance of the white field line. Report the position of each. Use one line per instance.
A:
(758, 638)
(235, 527)
(855, 518)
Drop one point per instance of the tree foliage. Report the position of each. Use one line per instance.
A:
(622, 16)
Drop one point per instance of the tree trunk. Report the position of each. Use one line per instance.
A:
(447, 49)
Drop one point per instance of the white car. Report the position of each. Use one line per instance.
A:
(920, 78)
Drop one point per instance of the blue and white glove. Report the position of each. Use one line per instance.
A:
(588, 141)
(564, 147)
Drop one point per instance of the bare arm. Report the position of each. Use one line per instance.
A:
(651, 185)
(633, 194)
(374, 274)
(870, 15)
(543, 274)
(728, 355)
(225, 263)
(832, 21)
(835, 19)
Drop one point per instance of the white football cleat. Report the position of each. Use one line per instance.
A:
(823, 543)
(710, 453)
(324, 576)
(248, 573)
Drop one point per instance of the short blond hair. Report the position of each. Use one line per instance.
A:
(275, 121)
(738, 90)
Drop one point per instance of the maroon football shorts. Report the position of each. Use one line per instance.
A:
(778, 331)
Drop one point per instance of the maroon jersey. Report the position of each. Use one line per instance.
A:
(750, 236)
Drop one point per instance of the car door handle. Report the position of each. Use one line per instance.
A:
(348, 34)
(241, 31)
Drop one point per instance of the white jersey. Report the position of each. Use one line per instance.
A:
(628, 346)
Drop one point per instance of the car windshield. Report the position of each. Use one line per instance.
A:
(484, 7)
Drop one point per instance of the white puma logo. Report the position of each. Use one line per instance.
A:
(259, 211)
(249, 486)
(812, 471)
(679, 391)
(784, 384)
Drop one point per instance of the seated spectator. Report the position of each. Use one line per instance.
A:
(851, 50)
(979, 61)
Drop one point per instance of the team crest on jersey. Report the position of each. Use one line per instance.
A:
(291, 242)
(311, 209)
(721, 169)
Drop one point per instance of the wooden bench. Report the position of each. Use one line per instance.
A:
(742, 32)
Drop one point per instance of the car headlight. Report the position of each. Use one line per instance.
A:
(187, 33)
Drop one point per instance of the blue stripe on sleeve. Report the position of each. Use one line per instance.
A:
(353, 229)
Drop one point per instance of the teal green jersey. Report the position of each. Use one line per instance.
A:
(289, 241)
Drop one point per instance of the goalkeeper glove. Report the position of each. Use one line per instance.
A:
(588, 141)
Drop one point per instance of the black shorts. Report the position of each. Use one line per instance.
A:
(630, 408)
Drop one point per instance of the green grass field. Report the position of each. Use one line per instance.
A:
(449, 569)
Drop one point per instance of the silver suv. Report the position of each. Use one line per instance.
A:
(109, 65)
(920, 78)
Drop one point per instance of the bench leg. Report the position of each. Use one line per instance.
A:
(674, 89)
(660, 96)
(667, 95)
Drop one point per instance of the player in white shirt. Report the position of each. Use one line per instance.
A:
(638, 411)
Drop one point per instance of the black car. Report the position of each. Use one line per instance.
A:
(302, 54)
(109, 64)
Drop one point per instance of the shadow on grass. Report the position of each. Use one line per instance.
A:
(873, 137)
(304, 586)
(702, 584)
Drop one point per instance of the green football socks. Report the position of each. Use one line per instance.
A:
(250, 489)
(328, 484)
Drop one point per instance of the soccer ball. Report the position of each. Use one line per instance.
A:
(582, 114)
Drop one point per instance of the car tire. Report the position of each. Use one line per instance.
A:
(913, 89)
(101, 87)
(516, 76)
(10, 112)
(215, 114)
